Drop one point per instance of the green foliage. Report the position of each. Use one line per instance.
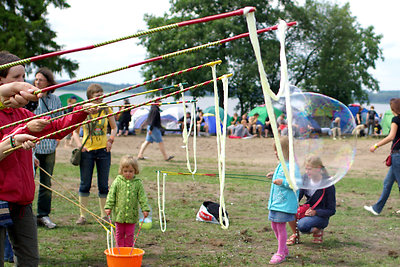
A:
(332, 52)
(328, 52)
(25, 32)
(237, 56)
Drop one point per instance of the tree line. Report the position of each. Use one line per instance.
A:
(328, 52)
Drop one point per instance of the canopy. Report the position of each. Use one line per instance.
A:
(64, 98)
(262, 111)
(386, 122)
(211, 110)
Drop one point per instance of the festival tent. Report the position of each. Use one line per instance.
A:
(211, 110)
(386, 122)
(139, 117)
(209, 118)
(262, 111)
(65, 97)
(354, 108)
(170, 117)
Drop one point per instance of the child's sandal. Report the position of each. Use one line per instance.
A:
(277, 258)
(318, 237)
(293, 239)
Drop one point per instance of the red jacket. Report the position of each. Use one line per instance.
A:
(16, 170)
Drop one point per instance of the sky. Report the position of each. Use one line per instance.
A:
(94, 21)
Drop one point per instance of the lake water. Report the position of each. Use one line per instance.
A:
(202, 102)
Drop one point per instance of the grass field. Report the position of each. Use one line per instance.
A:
(353, 237)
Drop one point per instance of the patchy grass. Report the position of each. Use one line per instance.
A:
(353, 237)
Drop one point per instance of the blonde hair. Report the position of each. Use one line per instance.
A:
(284, 140)
(127, 161)
(313, 161)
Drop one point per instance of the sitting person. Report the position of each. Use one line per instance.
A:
(316, 219)
(359, 130)
(201, 124)
(377, 128)
(241, 130)
(267, 128)
(254, 126)
(281, 123)
(335, 127)
(188, 119)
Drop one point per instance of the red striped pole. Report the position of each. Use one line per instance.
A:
(142, 33)
(114, 93)
(173, 54)
(118, 112)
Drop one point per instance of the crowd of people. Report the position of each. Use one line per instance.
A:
(18, 168)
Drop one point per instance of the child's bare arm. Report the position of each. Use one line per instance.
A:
(278, 181)
(270, 174)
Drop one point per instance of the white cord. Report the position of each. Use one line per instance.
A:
(161, 206)
(186, 134)
(268, 94)
(221, 140)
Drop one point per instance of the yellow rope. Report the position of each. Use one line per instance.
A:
(95, 216)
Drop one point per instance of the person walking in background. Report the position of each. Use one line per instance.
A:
(123, 120)
(154, 133)
(45, 151)
(96, 151)
(394, 170)
(282, 203)
(123, 200)
(371, 120)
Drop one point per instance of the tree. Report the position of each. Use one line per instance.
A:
(25, 32)
(328, 52)
(332, 52)
(237, 56)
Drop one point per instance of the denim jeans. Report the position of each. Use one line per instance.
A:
(307, 223)
(102, 159)
(392, 175)
(23, 236)
(47, 162)
(8, 252)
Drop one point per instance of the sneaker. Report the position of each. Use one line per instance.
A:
(45, 221)
(81, 221)
(370, 209)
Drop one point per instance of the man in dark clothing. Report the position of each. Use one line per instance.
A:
(154, 133)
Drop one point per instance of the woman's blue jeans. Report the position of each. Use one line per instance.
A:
(392, 175)
(305, 224)
(102, 159)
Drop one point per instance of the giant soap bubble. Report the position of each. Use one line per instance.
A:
(313, 128)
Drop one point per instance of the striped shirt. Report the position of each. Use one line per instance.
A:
(46, 104)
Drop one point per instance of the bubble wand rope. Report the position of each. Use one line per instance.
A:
(156, 104)
(76, 204)
(114, 93)
(118, 112)
(96, 217)
(142, 33)
(112, 234)
(186, 134)
(268, 94)
(221, 139)
(161, 205)
(227, 175)
(103, 105)
(166, 56)
(137, 235)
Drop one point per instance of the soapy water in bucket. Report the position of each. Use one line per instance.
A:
(313, 115)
